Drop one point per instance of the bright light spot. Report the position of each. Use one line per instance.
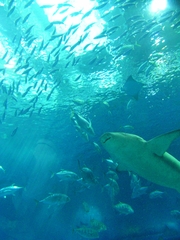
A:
(11, 64)
(73, 16)
(106, 83)
(158, 5)
(157, 41)
(106, 80)
(2, 50)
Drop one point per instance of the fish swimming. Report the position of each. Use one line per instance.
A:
(82, 123)
(123, 208)
(137, 189)
(87, 232)
(111, 164)
(112, 174)
(2, 172)
(132, 87)
(11, 11)
(65, 175)
(88, 176)
(10, 190)
(156, 194)
(112, 189)
(148, 159)
(98, 225)
(56, 199)
(28, 3)
(175, 214)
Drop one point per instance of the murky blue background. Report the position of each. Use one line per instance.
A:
(58, 58)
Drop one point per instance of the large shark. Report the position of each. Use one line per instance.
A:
(148, 159)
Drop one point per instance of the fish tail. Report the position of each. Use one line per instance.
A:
(72, 113)
(137, 44)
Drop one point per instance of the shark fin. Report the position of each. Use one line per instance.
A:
(160, 144)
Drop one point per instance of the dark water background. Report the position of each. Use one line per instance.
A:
(43, 140)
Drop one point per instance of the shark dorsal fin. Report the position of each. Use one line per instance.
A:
(160, 144)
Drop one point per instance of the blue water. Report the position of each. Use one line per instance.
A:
(58, 58)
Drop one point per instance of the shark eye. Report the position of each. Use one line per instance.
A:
(107, 139)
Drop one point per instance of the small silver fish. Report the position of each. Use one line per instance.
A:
(65, 175)
(2, 171)
(156, 194)
(88, 176)
(10, 190)
(56, 199)
(97, 147)
(111, 164)
(123, 208)
(83, 123)
(127, 127)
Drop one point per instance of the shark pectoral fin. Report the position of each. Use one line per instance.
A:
(160, 144)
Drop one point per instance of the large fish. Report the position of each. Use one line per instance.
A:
(132, 87)
(148, 159)
(10, 190)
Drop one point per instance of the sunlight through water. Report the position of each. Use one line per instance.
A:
(158, 5)
(76, 10)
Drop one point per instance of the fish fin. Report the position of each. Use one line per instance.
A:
(79, 179)
(136, 96)
(52, 174)
(36, 201)
(72, 113)
(160, 144)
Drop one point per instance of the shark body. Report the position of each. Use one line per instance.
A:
(148, 159)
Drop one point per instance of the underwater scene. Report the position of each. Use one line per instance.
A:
(89, 119)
